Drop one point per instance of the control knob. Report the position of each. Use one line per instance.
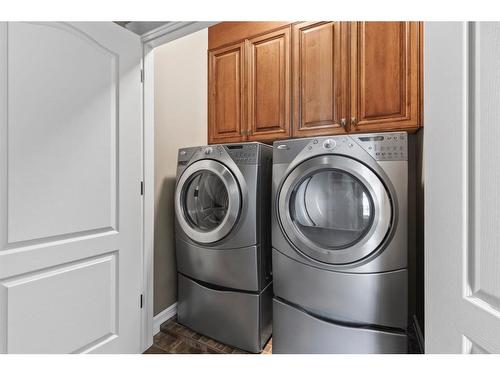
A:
(329, 144)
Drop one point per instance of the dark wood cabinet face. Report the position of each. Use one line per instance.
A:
(384, 75)
(319, 78)
(225, 89)
(268, 82)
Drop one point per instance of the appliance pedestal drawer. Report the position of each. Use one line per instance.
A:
(295, 331)
(239, 319)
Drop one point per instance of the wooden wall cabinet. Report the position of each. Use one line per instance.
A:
(385, 71)
(315, 78)
(268, 86)
(249, 89)
(226, 107)
(319, 78)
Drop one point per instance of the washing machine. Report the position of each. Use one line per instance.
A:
(339, 236)
(223, 242)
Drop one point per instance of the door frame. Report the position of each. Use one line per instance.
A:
(155, 38)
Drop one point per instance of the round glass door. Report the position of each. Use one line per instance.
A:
(334, 209)
(207, 201)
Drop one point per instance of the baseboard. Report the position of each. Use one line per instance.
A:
(419, 334)
(163, 316)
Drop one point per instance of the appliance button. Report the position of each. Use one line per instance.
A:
(329, 143)
(208, 150)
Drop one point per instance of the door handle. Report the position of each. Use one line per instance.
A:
(354, 121)
(343, 122)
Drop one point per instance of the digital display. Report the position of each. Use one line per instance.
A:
(235, 147)
(374, 138)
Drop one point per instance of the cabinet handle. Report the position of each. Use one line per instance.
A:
(342, 122)
(354, 121)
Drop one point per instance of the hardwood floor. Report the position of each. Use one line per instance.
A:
(174, 338)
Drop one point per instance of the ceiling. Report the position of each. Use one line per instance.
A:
(142, 27)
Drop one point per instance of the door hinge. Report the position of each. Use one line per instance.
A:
(142, 301)
(142, 187)
(142, 75)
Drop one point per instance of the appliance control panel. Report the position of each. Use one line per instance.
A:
(384, 146)
(243, 153)
(185, 154)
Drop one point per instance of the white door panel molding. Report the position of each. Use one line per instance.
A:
(462, 257)
(70, 203)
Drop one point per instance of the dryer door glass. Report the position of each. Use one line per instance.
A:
(332, 208)
(206, 201)
(335, 209)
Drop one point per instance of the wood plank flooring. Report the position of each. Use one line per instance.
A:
(174, 338)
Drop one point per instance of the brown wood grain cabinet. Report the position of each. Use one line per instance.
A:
(384, 76)
(319, 78)
(226, 106)
(316, 78)
(268, 86)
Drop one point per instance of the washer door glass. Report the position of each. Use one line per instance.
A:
(205, 201)
(332, 208)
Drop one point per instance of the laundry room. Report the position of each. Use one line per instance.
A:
(282, 202)
(250, 186)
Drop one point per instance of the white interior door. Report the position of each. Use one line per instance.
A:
(70, 204)
(462, 197)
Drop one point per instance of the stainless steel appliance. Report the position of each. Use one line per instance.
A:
(339, 240)
(223, 245)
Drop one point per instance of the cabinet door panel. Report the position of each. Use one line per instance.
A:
(225, 85)
(384, 75)
(268, 74)
(319, 78)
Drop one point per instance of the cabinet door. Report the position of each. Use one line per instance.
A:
(319, 78)
(225, 101)
(268, 80)
(384, 75)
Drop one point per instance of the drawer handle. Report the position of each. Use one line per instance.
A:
(343, 122)
(354, 121)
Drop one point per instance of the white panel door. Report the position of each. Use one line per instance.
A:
(462, 197)
(70, 203)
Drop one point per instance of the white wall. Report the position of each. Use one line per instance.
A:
(180, 121)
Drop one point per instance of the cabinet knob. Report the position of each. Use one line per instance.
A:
(343, 122)
(354, 121)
